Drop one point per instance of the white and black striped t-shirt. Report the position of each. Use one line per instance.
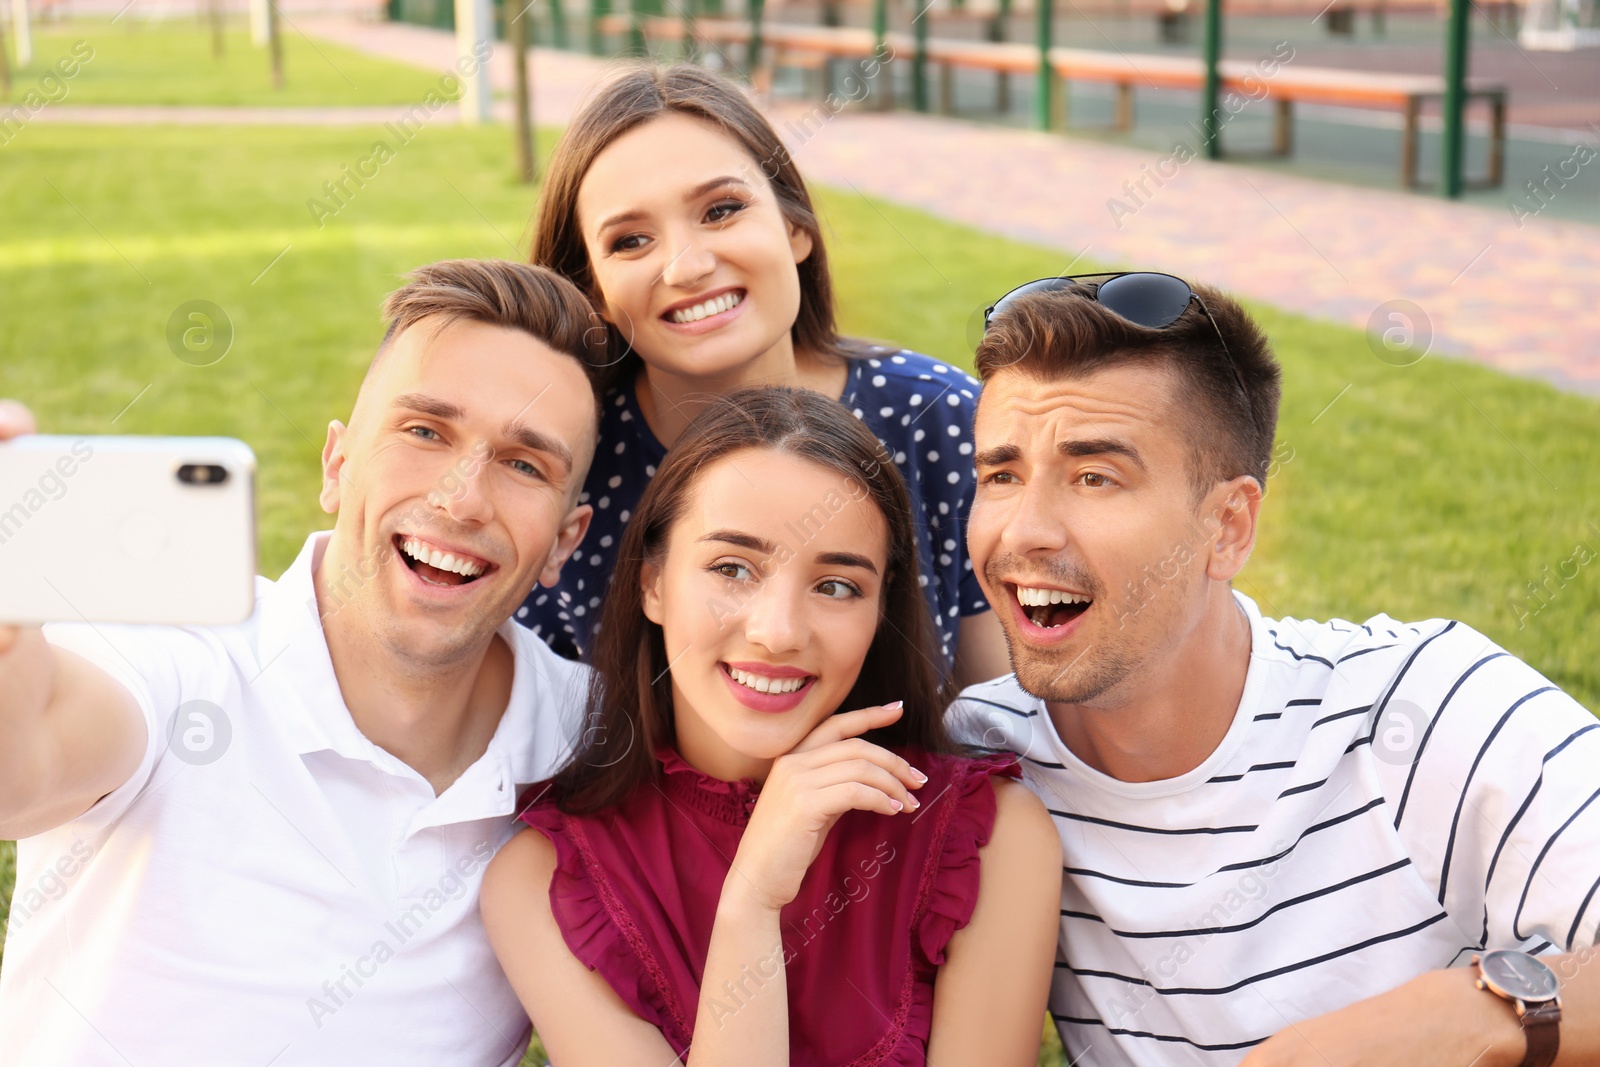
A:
(1389, 798)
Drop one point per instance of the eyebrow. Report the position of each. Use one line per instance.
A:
(1102, 446)
(997, 456)
(1096, 446)
(847, 559)
(757, 544)
(694, 194)
(516, 431)
(430, 405)
(538, 441)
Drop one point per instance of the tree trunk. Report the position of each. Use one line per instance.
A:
(5, 63)
(215, 11)
(275, 43)
(518, 36)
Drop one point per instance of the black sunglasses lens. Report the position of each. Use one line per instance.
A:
(1043, 285)
(1150, 300)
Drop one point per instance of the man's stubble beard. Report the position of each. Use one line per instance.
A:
(400, 642)
(1064, 677)
(1080, 677)
(1114, 656)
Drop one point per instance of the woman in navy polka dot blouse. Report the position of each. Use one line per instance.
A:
(673, 203)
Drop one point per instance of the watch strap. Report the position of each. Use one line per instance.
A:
(1540, 1025)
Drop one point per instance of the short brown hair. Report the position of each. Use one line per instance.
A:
(1063, 334)
(643, 92)
(518, 296)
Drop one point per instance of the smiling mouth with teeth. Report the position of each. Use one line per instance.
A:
(762, 684)
(1050, 608)
(435, 567)
(715, 306)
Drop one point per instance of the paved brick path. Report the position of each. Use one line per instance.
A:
(1524, 299)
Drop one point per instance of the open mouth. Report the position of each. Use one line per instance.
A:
(760, 683)
(439, 568)
(765, 687)
(1050, 609)
(706, 308)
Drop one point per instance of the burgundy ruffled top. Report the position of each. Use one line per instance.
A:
(636, 888)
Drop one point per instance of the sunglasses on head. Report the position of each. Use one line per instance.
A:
(1144, 298)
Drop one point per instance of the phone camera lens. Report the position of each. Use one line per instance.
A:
(202, 474)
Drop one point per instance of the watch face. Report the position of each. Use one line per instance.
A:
(1520, 975)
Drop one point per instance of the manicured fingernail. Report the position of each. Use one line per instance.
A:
(919, 776)
(897, 805)
(896, 706)
(915, 803)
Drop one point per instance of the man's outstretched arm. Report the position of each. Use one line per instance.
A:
(1442, 1018)
(71, 733)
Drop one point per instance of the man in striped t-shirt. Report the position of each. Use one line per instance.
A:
(1286, 842)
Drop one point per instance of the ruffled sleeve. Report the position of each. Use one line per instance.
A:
(573, 899)
(596, 927)
(953, 892)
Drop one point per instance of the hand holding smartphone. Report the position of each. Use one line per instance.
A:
(123, 529)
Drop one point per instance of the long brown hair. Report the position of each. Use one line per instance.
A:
(630, 712)
(644, 92)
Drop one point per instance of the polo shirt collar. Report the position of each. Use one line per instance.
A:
(516, 754)
(293, 651)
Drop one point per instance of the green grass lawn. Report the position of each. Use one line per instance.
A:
(1439, 489)
(137, 62)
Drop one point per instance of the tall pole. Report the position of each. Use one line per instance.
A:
(558, 24)
(5, 63)
(919, 56)
(752, 62)
(23, 31)
(830, 17)
(517, 36)
(474, 28)
(1210, 98)
(999, 30)
(636, 42)
(1455, 97)
(691, 50)
(880, 31)
(598, 9)
(275, 43)
(259, 34)
(214, 13)
(1044, 104)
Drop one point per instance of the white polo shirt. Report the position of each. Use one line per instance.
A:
(270, 887)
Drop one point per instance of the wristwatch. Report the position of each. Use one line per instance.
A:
(1532, 988)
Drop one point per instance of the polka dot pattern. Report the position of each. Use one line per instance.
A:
(904, 397)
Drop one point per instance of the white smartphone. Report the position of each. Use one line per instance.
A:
(127, 529)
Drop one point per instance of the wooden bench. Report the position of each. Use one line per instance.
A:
(718, 33)
(811, 47)
(1295, 9)
(1405, 93)
(837, 42)
(614, 23)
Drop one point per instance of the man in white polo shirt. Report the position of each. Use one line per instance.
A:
(262, 844)
(1286, 842)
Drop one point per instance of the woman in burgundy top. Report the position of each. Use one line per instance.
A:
(734, 870)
